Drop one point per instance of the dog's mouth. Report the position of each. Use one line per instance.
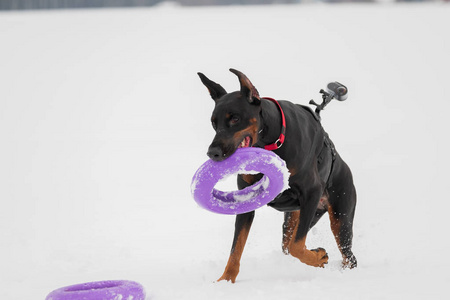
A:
(246, 142)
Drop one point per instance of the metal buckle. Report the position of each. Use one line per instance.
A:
(278, 143)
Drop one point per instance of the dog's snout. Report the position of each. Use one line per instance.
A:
(215, 153)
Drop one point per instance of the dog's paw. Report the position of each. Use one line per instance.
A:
(321, 257)
(315, 257)
(349, 262)
(230, 274)
(227, 277)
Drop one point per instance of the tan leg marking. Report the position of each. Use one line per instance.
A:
(232, 268)
(335, 225)
(288, 230)
(316, 257)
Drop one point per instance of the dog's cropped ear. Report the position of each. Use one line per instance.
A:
(248, 90)
(215, 90)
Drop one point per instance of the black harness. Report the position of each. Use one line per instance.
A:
(328, 149)
(287, 201)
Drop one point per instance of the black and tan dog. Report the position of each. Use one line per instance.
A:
(320, 180)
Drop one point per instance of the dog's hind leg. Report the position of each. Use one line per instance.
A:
(341, 225)
(341, 209)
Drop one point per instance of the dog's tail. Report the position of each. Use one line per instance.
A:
(334, 90)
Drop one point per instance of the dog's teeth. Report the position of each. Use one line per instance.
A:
(243, 143)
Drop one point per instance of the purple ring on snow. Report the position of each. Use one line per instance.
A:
(243, 161)
(105, 290)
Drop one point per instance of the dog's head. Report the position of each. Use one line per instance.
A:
(236, 117)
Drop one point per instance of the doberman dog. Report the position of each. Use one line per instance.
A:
(320, 181)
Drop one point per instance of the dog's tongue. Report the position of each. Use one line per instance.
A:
(245, 143)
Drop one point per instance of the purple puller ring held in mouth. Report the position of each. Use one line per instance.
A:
(243, 161)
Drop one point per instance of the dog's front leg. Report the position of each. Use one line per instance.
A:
(297, 246)
(242, 228)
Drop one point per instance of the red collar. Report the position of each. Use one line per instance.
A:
(279, 142)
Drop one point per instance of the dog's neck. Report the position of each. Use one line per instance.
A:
(270, 125)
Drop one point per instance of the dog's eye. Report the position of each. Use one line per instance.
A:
(234, 120)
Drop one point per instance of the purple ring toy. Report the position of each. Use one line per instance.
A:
(243, 161)
(105, 290)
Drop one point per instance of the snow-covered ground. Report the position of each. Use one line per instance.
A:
(103, 122)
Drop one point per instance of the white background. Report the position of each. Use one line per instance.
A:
(103, 122)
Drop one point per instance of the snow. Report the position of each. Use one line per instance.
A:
(103, 122)
(281, 165)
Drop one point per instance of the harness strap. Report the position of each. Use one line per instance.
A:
(329, 144)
